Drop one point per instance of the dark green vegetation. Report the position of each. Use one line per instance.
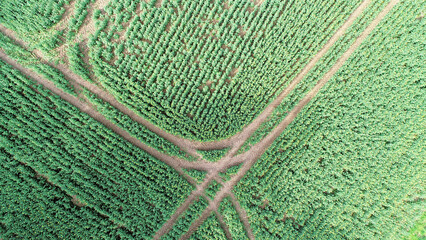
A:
(119, 184)
(351, 165)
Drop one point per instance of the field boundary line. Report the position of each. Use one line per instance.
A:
(259, 149)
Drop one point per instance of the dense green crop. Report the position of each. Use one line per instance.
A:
(349, 166)
(211, 65)
(72, 151)
(36, 208)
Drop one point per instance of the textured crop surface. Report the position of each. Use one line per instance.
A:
(217, 119)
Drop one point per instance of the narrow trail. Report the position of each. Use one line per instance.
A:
(223, 225)
(243, 215)
(199, 191)
(259, 149)
(175, 163)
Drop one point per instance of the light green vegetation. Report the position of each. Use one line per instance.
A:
(73, 152)
(418, 232)
(351, 165)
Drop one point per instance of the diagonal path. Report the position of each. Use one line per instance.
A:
(176, 163)
(258, 149)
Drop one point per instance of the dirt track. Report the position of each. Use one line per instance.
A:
(235, 142)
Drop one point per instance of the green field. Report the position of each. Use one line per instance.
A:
(190, 119)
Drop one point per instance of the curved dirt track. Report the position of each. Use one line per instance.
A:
(258, 149)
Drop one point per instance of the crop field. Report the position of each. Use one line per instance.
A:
(191, 119)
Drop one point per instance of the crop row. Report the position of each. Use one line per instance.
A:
(350, 164)
(37, 208)
(80, 14)
(83, 158)
(204, 69)
(309, 81)
(123, 121)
